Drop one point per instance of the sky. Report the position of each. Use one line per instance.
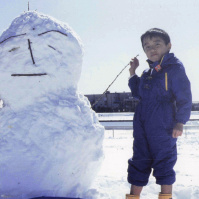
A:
(110, 31)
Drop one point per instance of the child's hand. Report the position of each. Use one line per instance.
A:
(177, 131)
(134, 63)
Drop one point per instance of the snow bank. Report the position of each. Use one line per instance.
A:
(50, 139)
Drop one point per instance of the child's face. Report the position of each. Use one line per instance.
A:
(155, 48)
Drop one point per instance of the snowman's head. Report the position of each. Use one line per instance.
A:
(38, 55)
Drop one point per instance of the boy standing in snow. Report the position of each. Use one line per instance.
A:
(165, 105)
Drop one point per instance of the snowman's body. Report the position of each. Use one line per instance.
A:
(50, 140)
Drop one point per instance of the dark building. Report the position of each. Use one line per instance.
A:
(195, 106)
(113, 102)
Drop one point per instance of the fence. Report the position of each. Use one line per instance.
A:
(124, 121)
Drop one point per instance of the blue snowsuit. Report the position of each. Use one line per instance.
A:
(165, 99)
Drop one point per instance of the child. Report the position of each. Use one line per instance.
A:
(165, 105)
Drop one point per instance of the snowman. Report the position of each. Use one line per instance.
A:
(50, 139)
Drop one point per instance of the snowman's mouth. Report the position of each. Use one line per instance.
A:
(34, 74)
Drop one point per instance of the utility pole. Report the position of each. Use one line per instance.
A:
(28, 6)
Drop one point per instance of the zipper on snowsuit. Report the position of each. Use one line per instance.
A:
(166, 82)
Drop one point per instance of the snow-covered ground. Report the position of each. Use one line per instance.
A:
(111, 181)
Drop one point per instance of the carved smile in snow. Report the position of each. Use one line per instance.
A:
(36, 74)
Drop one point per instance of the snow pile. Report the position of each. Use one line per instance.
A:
(50, 139)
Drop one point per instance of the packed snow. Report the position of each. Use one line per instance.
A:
(111, 181)
(50, 139)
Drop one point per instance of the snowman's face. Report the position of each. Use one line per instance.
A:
(39, 58)
(31, 53)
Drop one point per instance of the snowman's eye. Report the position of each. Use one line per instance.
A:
(13, 49)
(11, 37)
(52, 47)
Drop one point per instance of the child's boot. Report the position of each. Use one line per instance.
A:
(128, 196)
(164, 196)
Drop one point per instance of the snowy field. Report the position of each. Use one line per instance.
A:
(111, 181)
